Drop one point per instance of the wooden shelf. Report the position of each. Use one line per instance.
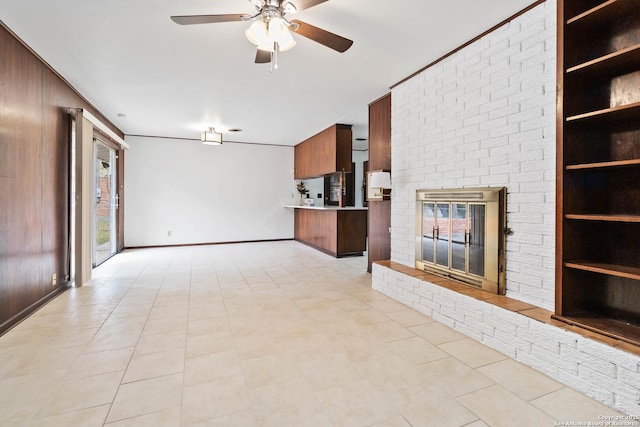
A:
(610, 164)
(625, 271)
(614, 64)
(604, 217)
(623, 112)
(623, 331)
(603, 14)
(598, 216)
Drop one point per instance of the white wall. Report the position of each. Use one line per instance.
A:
(359, 157)
(485, 116)
(206, 194)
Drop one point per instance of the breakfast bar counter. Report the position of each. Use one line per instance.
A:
(333, 230)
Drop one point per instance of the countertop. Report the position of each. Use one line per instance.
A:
(329, 208)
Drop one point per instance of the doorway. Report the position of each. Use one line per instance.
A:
(105, 202)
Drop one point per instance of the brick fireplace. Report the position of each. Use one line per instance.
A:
(485, 117)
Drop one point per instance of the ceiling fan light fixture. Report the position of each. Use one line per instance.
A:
(279, 33)
(211, 137)
(285, 41)
(266, 35)
(270, 30)
(277, 27)
(257, 32)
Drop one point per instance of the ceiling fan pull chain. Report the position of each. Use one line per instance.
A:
(274, 58)
(276, 48)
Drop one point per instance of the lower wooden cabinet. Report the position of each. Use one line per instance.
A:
(336, 231)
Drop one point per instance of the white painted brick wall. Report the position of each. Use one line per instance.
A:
(607, 374)
(485, 116)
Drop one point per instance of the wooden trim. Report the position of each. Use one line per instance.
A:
(104, 129)
(559, 228)
(13, 321)
(380, 99)
(490, 30)
(198, 140)
(318, 248)
(531, 311)
(232, 242)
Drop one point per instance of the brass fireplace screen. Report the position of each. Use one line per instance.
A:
(460, 233)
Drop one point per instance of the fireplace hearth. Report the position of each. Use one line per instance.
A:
(460, 234)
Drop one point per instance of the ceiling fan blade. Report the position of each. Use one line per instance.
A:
(263, 56)
(207, 19)
(323, 37)
(306, 4)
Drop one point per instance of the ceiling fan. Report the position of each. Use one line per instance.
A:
(271, 31)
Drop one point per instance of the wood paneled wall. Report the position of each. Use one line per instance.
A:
(34, 179)
(379, 159)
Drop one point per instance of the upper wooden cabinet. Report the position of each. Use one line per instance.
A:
(326, 152)
(598, 130)
(380, 134)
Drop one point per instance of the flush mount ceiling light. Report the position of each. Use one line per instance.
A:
(270, 31)
(211, 137)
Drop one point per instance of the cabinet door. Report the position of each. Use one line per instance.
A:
(325, 153)
(302, 156)
(343, 148)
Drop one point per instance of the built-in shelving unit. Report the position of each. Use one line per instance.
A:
(598, 131)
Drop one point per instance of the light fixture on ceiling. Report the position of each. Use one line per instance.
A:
(271, 34)
(211, 137)
(271, 31)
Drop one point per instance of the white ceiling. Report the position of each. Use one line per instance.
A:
(128, 57)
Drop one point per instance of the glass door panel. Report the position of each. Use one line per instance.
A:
(477, 239)
(104, 213)
(458, 236)
(453, 236)
(443, 234)
(428, 224)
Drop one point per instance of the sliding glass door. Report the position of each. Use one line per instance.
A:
(105, 203)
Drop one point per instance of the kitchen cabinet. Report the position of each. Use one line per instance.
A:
(336, 231)
(325, 153)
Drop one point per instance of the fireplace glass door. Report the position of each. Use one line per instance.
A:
(460, 235)
(453, 236)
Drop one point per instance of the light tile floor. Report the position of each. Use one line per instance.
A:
(258, 334)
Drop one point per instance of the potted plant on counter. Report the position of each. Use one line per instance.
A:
(302, 189)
